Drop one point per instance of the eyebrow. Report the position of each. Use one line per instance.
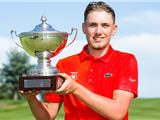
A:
(105, 23)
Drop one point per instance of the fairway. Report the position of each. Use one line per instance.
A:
(141, 109)
(145, 109)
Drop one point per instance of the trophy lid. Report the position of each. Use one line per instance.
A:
(42, 28)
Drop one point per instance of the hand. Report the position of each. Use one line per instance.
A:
(29, 94)
(69, 85)
(59, 82)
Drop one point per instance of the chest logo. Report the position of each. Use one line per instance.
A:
(74, 75)
(108, 75)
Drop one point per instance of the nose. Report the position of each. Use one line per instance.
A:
(98, 30)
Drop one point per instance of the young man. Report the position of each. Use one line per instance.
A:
(100, 82)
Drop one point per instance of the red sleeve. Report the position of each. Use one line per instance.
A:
(53, 97)
(128, 75)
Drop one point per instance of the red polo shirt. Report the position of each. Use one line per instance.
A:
(114, 71)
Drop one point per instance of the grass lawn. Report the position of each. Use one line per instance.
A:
(18, 110)
(141, 109)
(145, 109)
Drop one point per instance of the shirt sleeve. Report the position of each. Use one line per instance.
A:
(128, 75)
(53, 97)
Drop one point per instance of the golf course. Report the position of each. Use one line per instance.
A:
(141, 109)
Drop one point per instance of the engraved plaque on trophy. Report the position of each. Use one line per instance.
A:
(43, 42)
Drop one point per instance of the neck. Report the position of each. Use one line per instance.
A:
(97, 53)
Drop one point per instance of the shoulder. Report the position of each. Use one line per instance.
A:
(124, 57)
(122, 54)
(68, 62)
(71, 58)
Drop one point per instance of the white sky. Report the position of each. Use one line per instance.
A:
(138, 31)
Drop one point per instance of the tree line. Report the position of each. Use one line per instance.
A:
(16, 65)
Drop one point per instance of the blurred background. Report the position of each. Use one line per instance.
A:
(138, 33)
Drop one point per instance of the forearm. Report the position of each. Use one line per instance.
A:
(38, 109)
(106, 107)
(114, 108)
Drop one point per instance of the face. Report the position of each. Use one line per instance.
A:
(99, 27)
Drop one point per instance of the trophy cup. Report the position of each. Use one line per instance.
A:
(43, 42)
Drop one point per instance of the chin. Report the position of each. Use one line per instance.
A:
(99, 47)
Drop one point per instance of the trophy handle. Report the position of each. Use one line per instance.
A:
(76, 31)
(64, 44)
(14, 31)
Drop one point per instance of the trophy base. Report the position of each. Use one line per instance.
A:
(37, 83)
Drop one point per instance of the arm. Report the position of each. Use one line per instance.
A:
(114, 109)
(41, 110)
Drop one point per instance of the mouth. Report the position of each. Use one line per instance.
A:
(98, 39)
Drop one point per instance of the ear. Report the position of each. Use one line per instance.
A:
(84, 28)
(115, 28)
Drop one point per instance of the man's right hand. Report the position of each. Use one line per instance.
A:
(29, 95)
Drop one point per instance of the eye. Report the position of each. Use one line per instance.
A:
(92, 24)
(105, 25)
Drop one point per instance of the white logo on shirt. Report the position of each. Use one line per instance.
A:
(132, 80)
(74, 75)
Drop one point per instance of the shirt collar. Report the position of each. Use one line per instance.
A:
(84, 55)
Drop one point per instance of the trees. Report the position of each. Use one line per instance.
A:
(18, 64)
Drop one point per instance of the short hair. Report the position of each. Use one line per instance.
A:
(94, 6)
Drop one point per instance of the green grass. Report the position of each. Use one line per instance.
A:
(141, 109)
(18, 110)
(145, 109)
(14, 110)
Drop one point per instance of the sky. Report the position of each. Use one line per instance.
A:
(138, 31)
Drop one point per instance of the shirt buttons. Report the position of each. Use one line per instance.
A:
(91, 84)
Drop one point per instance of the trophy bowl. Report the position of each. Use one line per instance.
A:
(43, 42)
(33, 42)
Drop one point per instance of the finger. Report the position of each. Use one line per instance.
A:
(21, 91)
(60, 81)
(29, 92)
(64, 75)
(62, 88)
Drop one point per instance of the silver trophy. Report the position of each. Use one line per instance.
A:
(43, 42)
